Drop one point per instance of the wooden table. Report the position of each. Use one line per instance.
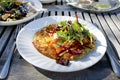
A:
(108, 23)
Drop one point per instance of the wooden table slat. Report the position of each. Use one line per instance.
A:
(9, 46)
(95, 20)
(87, 17)
(116, 21)
(109, 33)
(84, 75)
(52, 13)
(79, 14)
(4, 38)
(114, 29)
(1, 30)
(109, 48)
(118, 15)
(59, 13)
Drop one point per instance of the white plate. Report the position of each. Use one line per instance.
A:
(35, 7)
(114, 4)
(30, 53)
(47, 1)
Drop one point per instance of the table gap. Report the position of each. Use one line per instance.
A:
(83, 15)
(49, 13)
(69, 13)
(62, 2)
(45, 13)
(56, 2)
(62, 13)
(55, 13)
(42, 14)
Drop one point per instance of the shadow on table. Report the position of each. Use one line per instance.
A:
(97, 72)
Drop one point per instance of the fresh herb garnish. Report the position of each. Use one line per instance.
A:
(73, 31)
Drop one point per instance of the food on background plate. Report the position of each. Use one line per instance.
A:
(86, 2)
(102, 6)
(47, 1)
(64, 41)
(12, 10)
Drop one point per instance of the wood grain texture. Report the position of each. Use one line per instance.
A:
(4, 38)
(22, 70)
(1, 30)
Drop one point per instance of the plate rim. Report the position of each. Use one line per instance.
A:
(26, 27)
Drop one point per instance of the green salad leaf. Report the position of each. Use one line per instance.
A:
(77, 27)
(73, 31)
(10, 3)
